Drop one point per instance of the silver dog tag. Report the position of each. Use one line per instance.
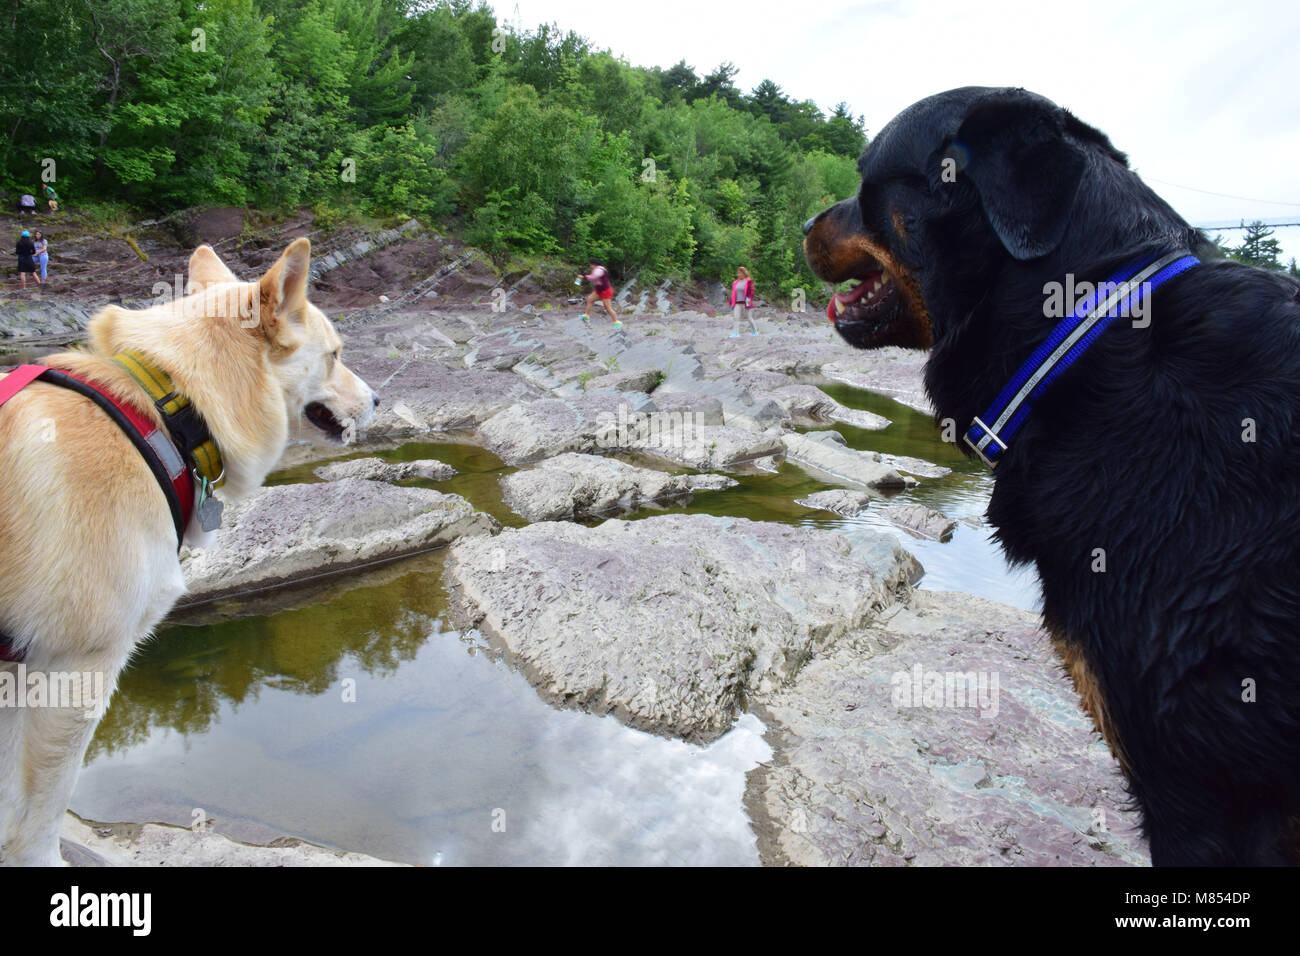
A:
(209, 508)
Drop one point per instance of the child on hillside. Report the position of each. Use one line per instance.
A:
(602, 287)
(51, 197)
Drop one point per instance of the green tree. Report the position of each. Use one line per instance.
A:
(1258, 248)
(38, 34)
(845, 135)
(678, 82)
(719, 83)
(138, 41)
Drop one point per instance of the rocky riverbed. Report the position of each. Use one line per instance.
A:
(907, 726)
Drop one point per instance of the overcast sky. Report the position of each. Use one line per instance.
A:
(1202, 96)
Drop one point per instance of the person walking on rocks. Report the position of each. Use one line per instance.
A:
(51, 197)
(42, 255)
(600, 287)
(742, 301)
(26, 252)
(26, 205)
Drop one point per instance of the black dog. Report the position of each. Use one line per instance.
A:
(1155, 484)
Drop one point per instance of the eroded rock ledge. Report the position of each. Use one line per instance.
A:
(289, 533)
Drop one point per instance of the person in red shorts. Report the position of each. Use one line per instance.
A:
(600, 287)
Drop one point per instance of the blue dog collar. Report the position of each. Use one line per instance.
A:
(1068, 341)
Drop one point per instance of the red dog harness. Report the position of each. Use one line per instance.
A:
(154, 445)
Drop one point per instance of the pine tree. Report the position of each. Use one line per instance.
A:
(1259, 248)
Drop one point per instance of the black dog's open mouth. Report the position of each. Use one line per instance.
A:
(884, 307)
(868, 315)
(324, 419)
(870, 301)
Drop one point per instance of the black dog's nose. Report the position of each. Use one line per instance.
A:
(807, 226)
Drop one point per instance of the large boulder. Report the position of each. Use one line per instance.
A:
(672, 622)
(945, 734)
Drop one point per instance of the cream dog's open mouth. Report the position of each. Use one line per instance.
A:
(319, 415)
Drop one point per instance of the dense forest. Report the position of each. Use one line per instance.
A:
(531, 143)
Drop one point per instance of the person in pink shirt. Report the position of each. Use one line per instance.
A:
(601, 287)
(742, 299)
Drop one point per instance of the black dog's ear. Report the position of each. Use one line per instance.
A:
(1024, 169)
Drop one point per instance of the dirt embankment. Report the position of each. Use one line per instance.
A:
(357, 271)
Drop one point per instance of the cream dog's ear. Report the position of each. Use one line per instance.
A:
(206, 269)
(106, 329)
(284, 287)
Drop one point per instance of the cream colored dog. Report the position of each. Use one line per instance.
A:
(88, 562)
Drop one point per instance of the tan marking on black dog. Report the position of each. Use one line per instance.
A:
(1090, 693)
(900, 224)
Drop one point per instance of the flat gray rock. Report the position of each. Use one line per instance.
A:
(842, 464)
(548, 427)
(574, 485)
(894, 372)
(502, 349)
(915, 466)
(840, 501)
(36, 314)
(703, 409)
(158, 844)
(920, 521)
(809, 405)
(887, 754)
(376, 469)
(672, 622)
(707, 447)
(288, 533)
(422, 396)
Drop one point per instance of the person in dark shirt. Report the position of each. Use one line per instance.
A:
(600, 287)
(26, 252)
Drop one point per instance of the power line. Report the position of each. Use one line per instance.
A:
(1267, 202)
(1227, 224)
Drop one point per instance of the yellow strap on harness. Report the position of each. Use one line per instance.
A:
(207, 458)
